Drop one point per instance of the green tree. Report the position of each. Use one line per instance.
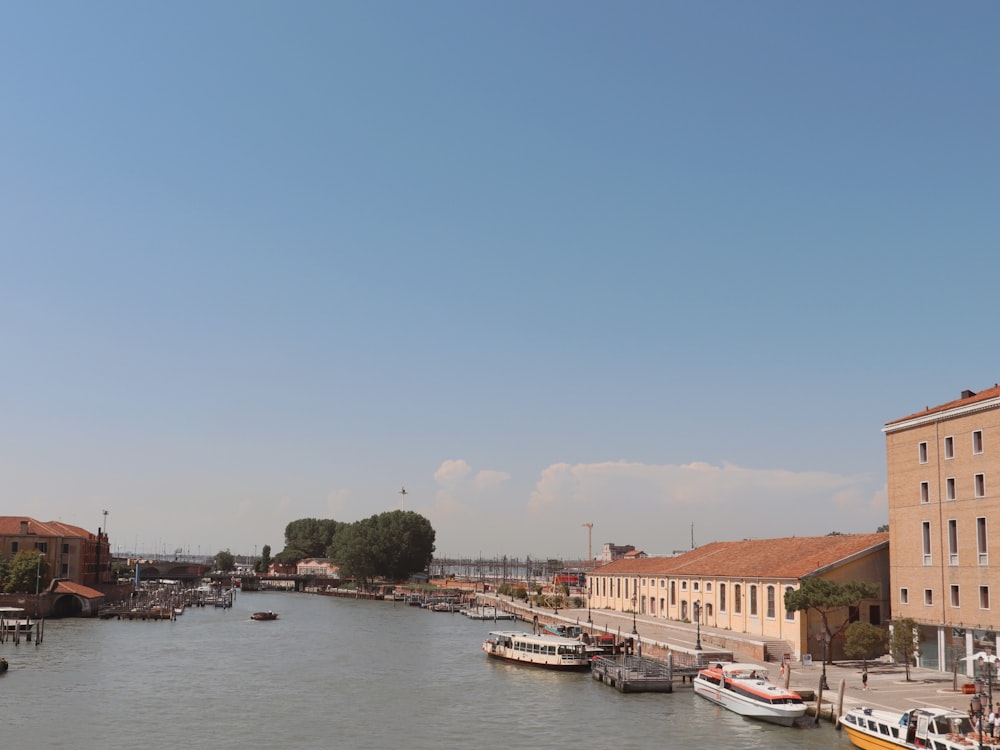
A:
(224, 560)
(392, 545)
(905, 642)
(865, 640)
(826, 597)
(308, 537)
(28, 572)
(263, 563)
(883, 527)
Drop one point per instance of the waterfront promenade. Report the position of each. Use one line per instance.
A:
(887, 685)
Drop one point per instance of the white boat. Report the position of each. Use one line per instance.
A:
(550, 651)
(745, 689)
(938, 728)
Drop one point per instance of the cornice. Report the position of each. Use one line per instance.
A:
(942, 415)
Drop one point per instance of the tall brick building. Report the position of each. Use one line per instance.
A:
(943, 467)
(70, 552)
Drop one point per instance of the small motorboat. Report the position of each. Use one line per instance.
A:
(3, 664)
(269, 615)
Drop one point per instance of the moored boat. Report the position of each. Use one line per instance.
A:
(549, 651)
(745, 689)
(269, 615)
(938, 728)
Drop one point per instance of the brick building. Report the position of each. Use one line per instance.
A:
(943, 468)
(71, 552)
(740, 586)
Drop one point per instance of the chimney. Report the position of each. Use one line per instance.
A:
(24, 528)
(968, 394)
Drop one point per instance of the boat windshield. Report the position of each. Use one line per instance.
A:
(952, 725)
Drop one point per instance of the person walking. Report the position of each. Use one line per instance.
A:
(864, 678)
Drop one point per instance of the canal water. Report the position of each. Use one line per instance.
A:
(334, 673)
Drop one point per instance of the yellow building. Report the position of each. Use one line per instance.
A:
(943, 468)
(740, 586)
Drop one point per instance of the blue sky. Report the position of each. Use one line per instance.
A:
(651, 266)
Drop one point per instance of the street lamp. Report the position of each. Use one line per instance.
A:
(697, 619)
(976, 710)
(822, 680)
(634, 631)
(38, 582)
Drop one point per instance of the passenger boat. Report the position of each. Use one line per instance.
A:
(745, 689)
(13, 619)
(550, 651)
(269, 615)
(937, 728)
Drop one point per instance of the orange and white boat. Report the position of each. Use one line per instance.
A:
(745, 689)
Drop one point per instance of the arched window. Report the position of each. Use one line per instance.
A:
(722, 597)
(738, 599)
(789, 613)
(753, 600)
(770, 602)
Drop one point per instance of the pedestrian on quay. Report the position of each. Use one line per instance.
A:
(864, 678)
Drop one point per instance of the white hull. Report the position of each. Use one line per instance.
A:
(745, 690)
(549, 651)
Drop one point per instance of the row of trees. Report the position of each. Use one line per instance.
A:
(390, 545)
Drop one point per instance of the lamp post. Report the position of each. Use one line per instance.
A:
(822, 680)
(634, 631)
(988, 664)
(38, 582)
(976, 710)
(697, 619)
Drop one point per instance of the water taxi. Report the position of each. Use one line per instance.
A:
(550, 651)
(269, 615)
(938, 728)
(745, 689)
(14, 619)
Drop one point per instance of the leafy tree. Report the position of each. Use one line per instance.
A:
(308, 537)
(263, 563)
(905, 642)
(865, 640)
(825, 597)
(224, 560)
(883, 527)
(392, 545)
(27, 573)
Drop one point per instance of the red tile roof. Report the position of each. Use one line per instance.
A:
(789, 557)
(11, 526)
(989, 393)
(68, 587)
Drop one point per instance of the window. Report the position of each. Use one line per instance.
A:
(673, 593)
(950, 488)
(42, 546)
(929, 597)
(949, 447)
(770, 602)
(789, 613)
(954, 594)
(980, 485)
(984, 597)
(904, 596)
(708, 587)
(753, 600)
(738, 599)
(952, 541)
(684, 585)
(65, 549)
(984, 557)
(925, 534)
(694, 585)
(977, 441)
(923, 452)
(722, 597)
(925, 492)
(13, 548)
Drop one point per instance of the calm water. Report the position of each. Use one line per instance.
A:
(333, 673)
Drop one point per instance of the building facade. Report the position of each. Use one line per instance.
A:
(943, 468)
(71, 553)
(740, 587)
